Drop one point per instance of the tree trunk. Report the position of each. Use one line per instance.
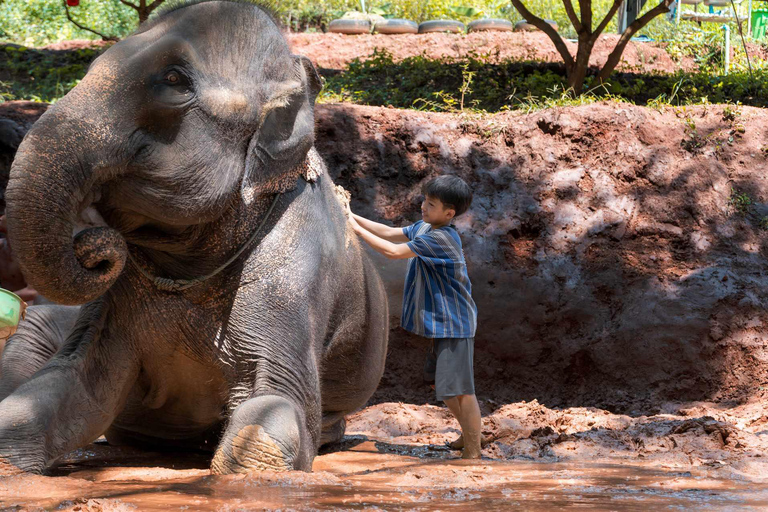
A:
(578, 73)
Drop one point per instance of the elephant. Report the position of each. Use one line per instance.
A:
(224, 303)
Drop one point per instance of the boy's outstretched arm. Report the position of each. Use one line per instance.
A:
(382, 231)
(390, 250)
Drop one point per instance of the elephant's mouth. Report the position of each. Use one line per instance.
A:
(134, 227)
(143, 231)
(87, 219)
(96, 245)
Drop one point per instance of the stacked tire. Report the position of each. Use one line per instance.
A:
(450, 26)
(349, 26)
(490, 25)
(396, 26)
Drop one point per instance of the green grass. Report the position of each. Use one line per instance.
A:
(36, 75)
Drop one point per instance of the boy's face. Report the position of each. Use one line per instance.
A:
(434, 211)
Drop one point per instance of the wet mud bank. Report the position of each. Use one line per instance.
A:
(368, 474)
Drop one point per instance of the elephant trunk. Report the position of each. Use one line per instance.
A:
(58, 166)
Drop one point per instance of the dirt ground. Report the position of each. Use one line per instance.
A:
(334, 51)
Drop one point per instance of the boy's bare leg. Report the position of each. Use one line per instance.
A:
(467, 412)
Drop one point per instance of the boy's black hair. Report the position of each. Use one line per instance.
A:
(452, 191)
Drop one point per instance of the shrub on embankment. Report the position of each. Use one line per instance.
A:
(439, 84)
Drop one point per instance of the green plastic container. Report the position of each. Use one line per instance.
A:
(11, 307)
(759, 23)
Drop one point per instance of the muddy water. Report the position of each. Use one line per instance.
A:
(365, 474)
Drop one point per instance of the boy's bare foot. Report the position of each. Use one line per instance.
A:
(458, 443)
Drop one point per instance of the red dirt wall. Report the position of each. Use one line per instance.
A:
(608, 263)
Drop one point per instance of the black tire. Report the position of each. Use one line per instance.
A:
(491, 24)
(344, 26)
(455, 27)
(396, 26)
(524, 26)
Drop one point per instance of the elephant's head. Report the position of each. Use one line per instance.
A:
(202, 106)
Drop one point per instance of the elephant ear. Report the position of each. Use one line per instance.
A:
(278, 151)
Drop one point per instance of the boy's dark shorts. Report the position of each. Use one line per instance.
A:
(449, 367)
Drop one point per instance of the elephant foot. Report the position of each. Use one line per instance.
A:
(333, 432)
(264, 433)
(22, 447)
(252, 449)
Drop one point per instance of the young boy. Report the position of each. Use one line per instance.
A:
(437, 302)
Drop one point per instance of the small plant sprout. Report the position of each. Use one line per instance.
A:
(741, 202)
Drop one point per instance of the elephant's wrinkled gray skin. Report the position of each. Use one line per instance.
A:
(179, 137)
(39, 337)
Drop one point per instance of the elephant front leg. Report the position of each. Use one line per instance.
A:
(69, 402)
(268, 432)
(39, 337)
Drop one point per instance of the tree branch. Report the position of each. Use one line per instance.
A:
(613, 58)
(154, 5)
(572, 15)
(547, 29)
(585, 8)
(78, 25)
(129, 4)
(607, 19)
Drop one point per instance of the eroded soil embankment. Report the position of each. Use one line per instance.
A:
(617, 253)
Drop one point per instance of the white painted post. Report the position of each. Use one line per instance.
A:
(677, 14)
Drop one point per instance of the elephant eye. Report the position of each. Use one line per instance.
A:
(173, 87)
(173, 78)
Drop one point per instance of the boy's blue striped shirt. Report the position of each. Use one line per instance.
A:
(437, 301)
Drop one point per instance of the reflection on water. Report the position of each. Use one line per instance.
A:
(365, 474)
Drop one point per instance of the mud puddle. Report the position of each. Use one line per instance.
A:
(367, 474)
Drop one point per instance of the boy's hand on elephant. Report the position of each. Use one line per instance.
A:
(353, 222)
